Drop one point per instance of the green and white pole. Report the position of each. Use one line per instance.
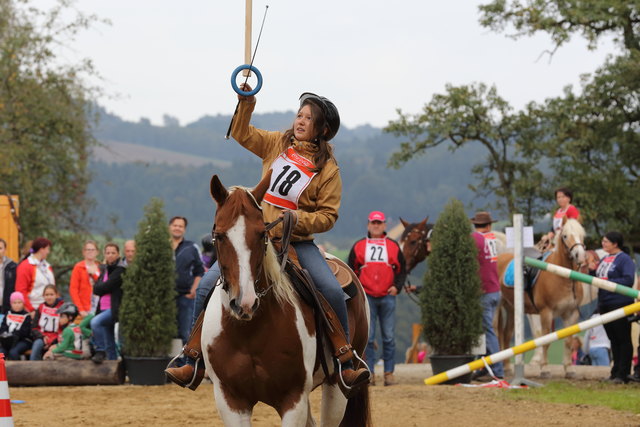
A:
(581, 277)
(531, 345)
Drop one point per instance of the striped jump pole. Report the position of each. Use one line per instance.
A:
(581, 277)
(530, 345)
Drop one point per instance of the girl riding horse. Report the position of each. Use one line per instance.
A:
(306, 181)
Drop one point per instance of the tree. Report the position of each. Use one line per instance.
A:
(45, 136)
(148, 309)
(450, 299)
(477, 114)
(560, 19)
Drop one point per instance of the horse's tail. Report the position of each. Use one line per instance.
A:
(358, 412)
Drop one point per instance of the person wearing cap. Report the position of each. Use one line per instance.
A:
(306, 181)
(380, 266)
(488, 259)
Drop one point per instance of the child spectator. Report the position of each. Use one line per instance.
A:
(576, 351)
(15, 331)
(70, 340)
(46, 323)
(598, 345)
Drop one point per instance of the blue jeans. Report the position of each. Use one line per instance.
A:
(489, 305)
(383, 308)
(37, 349)
(184, 313)
(599, 356)
(16, 351)
(207, 283)
(102, 326)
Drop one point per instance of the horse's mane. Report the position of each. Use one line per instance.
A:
(282, 288)
(572, 226)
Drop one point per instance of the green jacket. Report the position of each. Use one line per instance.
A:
(70, 341)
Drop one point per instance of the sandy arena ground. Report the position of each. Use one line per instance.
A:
(407, 404)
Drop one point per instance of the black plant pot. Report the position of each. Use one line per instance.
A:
(441, 363)
(146, 370)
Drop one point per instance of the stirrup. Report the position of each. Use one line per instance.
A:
(195, 368)
(355, 353)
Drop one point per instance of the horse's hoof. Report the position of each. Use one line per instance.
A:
(545, 375)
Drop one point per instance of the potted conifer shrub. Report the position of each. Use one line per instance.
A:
(451, 296)
(148, 311)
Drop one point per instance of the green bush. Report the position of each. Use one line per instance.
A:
(148, 310)
(450, 300)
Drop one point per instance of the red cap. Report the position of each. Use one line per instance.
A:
(376, 216)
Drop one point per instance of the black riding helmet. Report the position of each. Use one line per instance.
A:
(69, 309)
(207, 243)
(328, 109)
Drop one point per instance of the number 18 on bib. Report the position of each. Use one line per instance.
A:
(291, 175)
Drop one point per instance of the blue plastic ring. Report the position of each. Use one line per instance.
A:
(234, 85)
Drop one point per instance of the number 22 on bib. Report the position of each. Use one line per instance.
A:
(291, 175)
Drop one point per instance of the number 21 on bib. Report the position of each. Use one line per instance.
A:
(291, 175)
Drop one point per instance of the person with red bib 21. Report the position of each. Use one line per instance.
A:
(380, 266)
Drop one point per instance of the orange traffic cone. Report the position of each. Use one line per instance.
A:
(6, 419)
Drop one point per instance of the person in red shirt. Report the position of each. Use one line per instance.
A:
(488, 262)
(564, 197)
(380, 266)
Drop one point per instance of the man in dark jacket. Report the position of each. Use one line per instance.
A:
(7, 277)
(189, 271)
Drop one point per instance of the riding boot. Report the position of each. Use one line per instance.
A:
(189, 375)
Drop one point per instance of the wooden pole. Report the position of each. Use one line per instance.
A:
(530, 345)
(64, 372)
(247, 34)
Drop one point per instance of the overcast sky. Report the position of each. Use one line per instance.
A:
(168, 57)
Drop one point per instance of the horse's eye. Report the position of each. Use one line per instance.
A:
(564, 236)
(219, 237)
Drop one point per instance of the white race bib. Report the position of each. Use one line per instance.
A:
(491, 246)
(49, 319)
(376, 251)
(14, 321)
(557, 220)
(291, 175)
(604, 266)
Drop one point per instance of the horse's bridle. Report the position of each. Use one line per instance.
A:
(422, 241)
(288, 221)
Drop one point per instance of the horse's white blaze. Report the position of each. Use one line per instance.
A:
(236, 235)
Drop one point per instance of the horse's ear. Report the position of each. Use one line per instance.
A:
(260, 189)
(405, 223)
(218, 191)
(425, 221)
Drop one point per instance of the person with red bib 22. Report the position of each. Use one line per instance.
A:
(380, 266)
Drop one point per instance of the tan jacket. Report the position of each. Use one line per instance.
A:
(319, 203)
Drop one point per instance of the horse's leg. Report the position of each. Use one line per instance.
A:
(333, 405)
(536, 330)
(231, 417)
(300, 414)
(546, 320)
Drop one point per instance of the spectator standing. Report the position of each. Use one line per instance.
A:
(15, 330)
(617, 267)
(597, 345)
(109, 290)
(488, 269)
(7, 277)
(129, 252)
(34, 273)
(380, 266)
(189, 271)
(83, 277)
(46, 323)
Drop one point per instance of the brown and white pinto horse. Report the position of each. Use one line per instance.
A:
(414, 242)
(553, 296)
(258, 339)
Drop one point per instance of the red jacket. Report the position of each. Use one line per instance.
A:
(379, 264)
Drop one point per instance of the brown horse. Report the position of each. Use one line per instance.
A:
(414, 242)
(258, 339)
(553, 296)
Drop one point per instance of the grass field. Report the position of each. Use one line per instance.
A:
(618, 397)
